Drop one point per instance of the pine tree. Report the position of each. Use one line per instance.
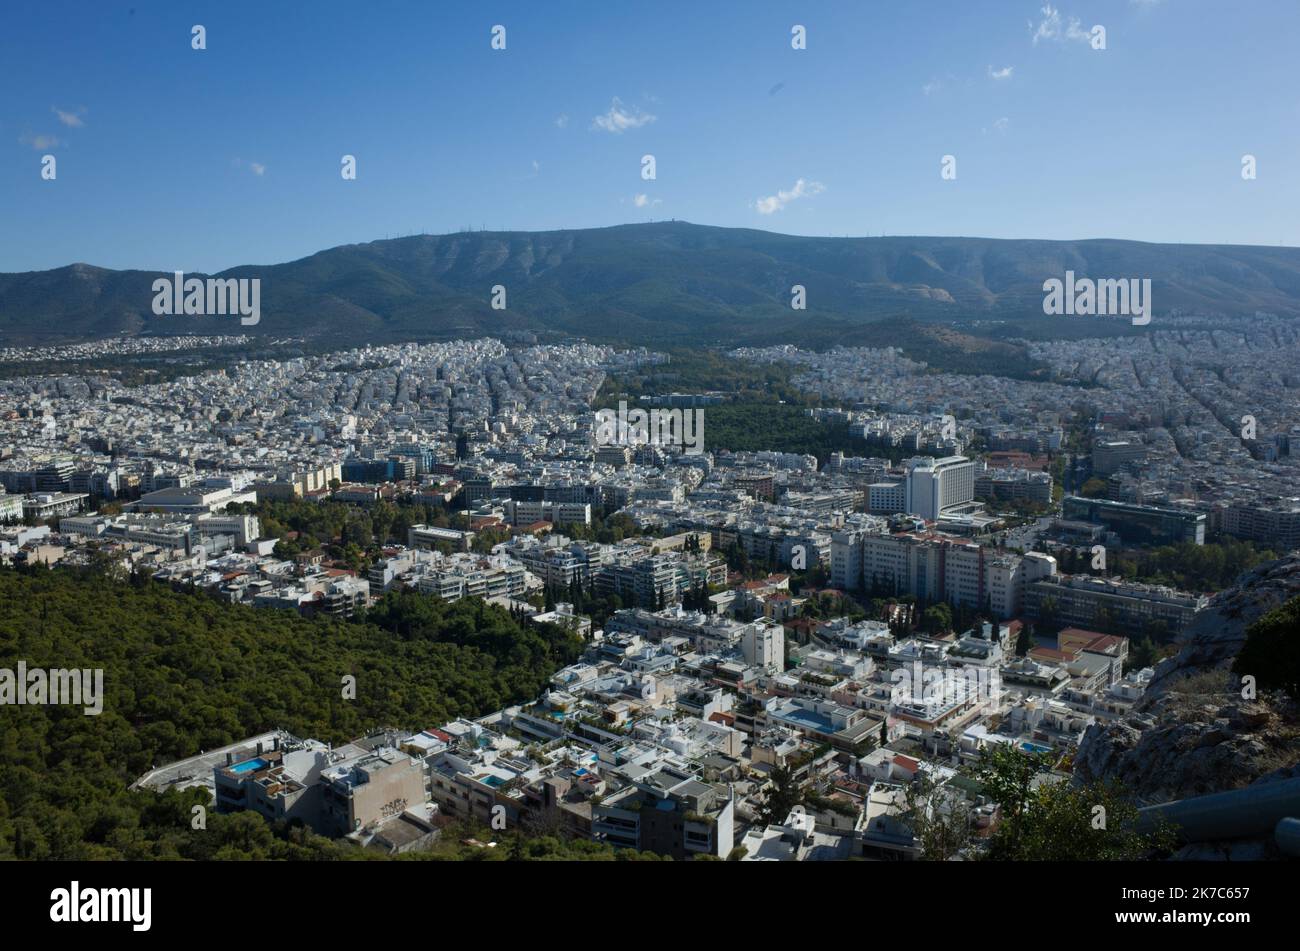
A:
(1025, 642)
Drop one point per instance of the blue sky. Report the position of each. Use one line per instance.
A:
(172, 158)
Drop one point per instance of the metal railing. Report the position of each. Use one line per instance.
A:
(1252, 812)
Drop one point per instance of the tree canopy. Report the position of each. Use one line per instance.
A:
(184, 672)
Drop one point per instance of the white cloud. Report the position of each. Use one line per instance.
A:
(619, 119)
(644, 201)
(562, 121)
(774, 203)
(932, 86)
(257, 167)
(72, 120)
(40, 142)
(1003, 73)
(1049, 27)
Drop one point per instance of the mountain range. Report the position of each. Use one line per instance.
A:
(657, 283)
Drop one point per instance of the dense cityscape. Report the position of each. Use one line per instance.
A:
(439, 439)
(779, 653)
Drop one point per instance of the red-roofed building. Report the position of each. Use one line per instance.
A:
(1073, 638)
(536, 528)
(907, 764)
(1048, 655)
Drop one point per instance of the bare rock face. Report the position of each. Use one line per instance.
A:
(1190, 748)
(1193, 733)
(1217, 634)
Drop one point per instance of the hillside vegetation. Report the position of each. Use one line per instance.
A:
(664, 282)
(184, 672)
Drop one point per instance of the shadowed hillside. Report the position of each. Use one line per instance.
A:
(653, 283)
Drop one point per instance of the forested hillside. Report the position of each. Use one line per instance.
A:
(660, 282)
(184, 672)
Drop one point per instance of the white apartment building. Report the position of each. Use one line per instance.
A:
(763, 645)
(936, 484)
(472, 578)
(11, 507)
(244, 528)
(936, 568)
(429, 536)
(521, 512)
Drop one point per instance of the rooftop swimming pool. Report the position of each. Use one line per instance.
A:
(807, 718)
(248, 765)
(1035, 747)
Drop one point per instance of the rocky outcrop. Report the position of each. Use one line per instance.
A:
(1217, 633)
(1187, 744)
(1193, 733)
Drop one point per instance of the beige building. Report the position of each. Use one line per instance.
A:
(380, 785)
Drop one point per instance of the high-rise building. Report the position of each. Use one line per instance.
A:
(937, 484)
